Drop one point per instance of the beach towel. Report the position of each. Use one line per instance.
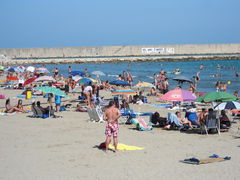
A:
(24, 96)
(124, 147)
(6, 114)
(211, 159)
(141, 125)
(160, 105)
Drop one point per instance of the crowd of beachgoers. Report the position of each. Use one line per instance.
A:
(81, 85)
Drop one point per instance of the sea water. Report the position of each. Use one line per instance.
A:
(144, 71)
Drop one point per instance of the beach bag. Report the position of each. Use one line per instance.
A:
(62, 108)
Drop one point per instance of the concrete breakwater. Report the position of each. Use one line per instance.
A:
(119, 60)
(109, 54)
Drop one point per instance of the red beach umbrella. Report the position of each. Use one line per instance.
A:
(30, 80)
(12, 78)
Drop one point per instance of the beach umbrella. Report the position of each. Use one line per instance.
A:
(74, 73)
(77, 78)
(11, 69)
(52, 90)
(217, 97)
(58, 84)
(45, 78)
(12, 78)
(182, 79)
(98, 73)
(30, 80)
(1, 68)
(144, 85)
(42, 70)
(178, 95)
(124, 92)
(20, 69)
(30, 69)
(228, 105)
(86, 80)
(120, 83)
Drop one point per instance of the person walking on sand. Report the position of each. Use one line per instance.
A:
(111, 115)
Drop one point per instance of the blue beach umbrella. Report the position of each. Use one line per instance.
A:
(86, 80)
(120, 83)
(74, 73)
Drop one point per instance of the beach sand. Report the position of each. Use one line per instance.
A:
(64, 148)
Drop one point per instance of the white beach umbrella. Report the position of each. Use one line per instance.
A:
(228, 105)
(30, 69)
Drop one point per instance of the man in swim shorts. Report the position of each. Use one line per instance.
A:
(111, 115)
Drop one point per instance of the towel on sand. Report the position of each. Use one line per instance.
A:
(121, 147)
(213, 158)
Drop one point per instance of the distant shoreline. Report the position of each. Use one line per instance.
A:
(127, 59)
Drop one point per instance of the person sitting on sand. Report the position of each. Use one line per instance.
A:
(44, 110)
(17, 108)
(179, 121)
(111, 115)
(153, 92)
(124, 104)
(224, 120)
(202, 116)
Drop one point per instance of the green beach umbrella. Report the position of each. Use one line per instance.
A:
(52, 90)
(217, 97)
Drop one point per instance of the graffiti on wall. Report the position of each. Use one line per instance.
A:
(158, 50)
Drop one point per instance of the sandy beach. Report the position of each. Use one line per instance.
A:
(64, 148)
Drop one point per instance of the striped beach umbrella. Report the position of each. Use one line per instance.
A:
(124, 91)
(42, 70)
(228, 105)
(45, 78)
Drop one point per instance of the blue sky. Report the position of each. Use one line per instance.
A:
(68, 23)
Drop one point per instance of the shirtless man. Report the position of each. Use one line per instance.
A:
(111, 115)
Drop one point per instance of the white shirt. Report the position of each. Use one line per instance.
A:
(87, 89)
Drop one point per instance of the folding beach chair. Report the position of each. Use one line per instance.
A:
(212, 122)
(34, 111)
(39, 113)
(90, 113)
(97, 114)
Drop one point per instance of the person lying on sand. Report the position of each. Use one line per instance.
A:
(17, 108)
